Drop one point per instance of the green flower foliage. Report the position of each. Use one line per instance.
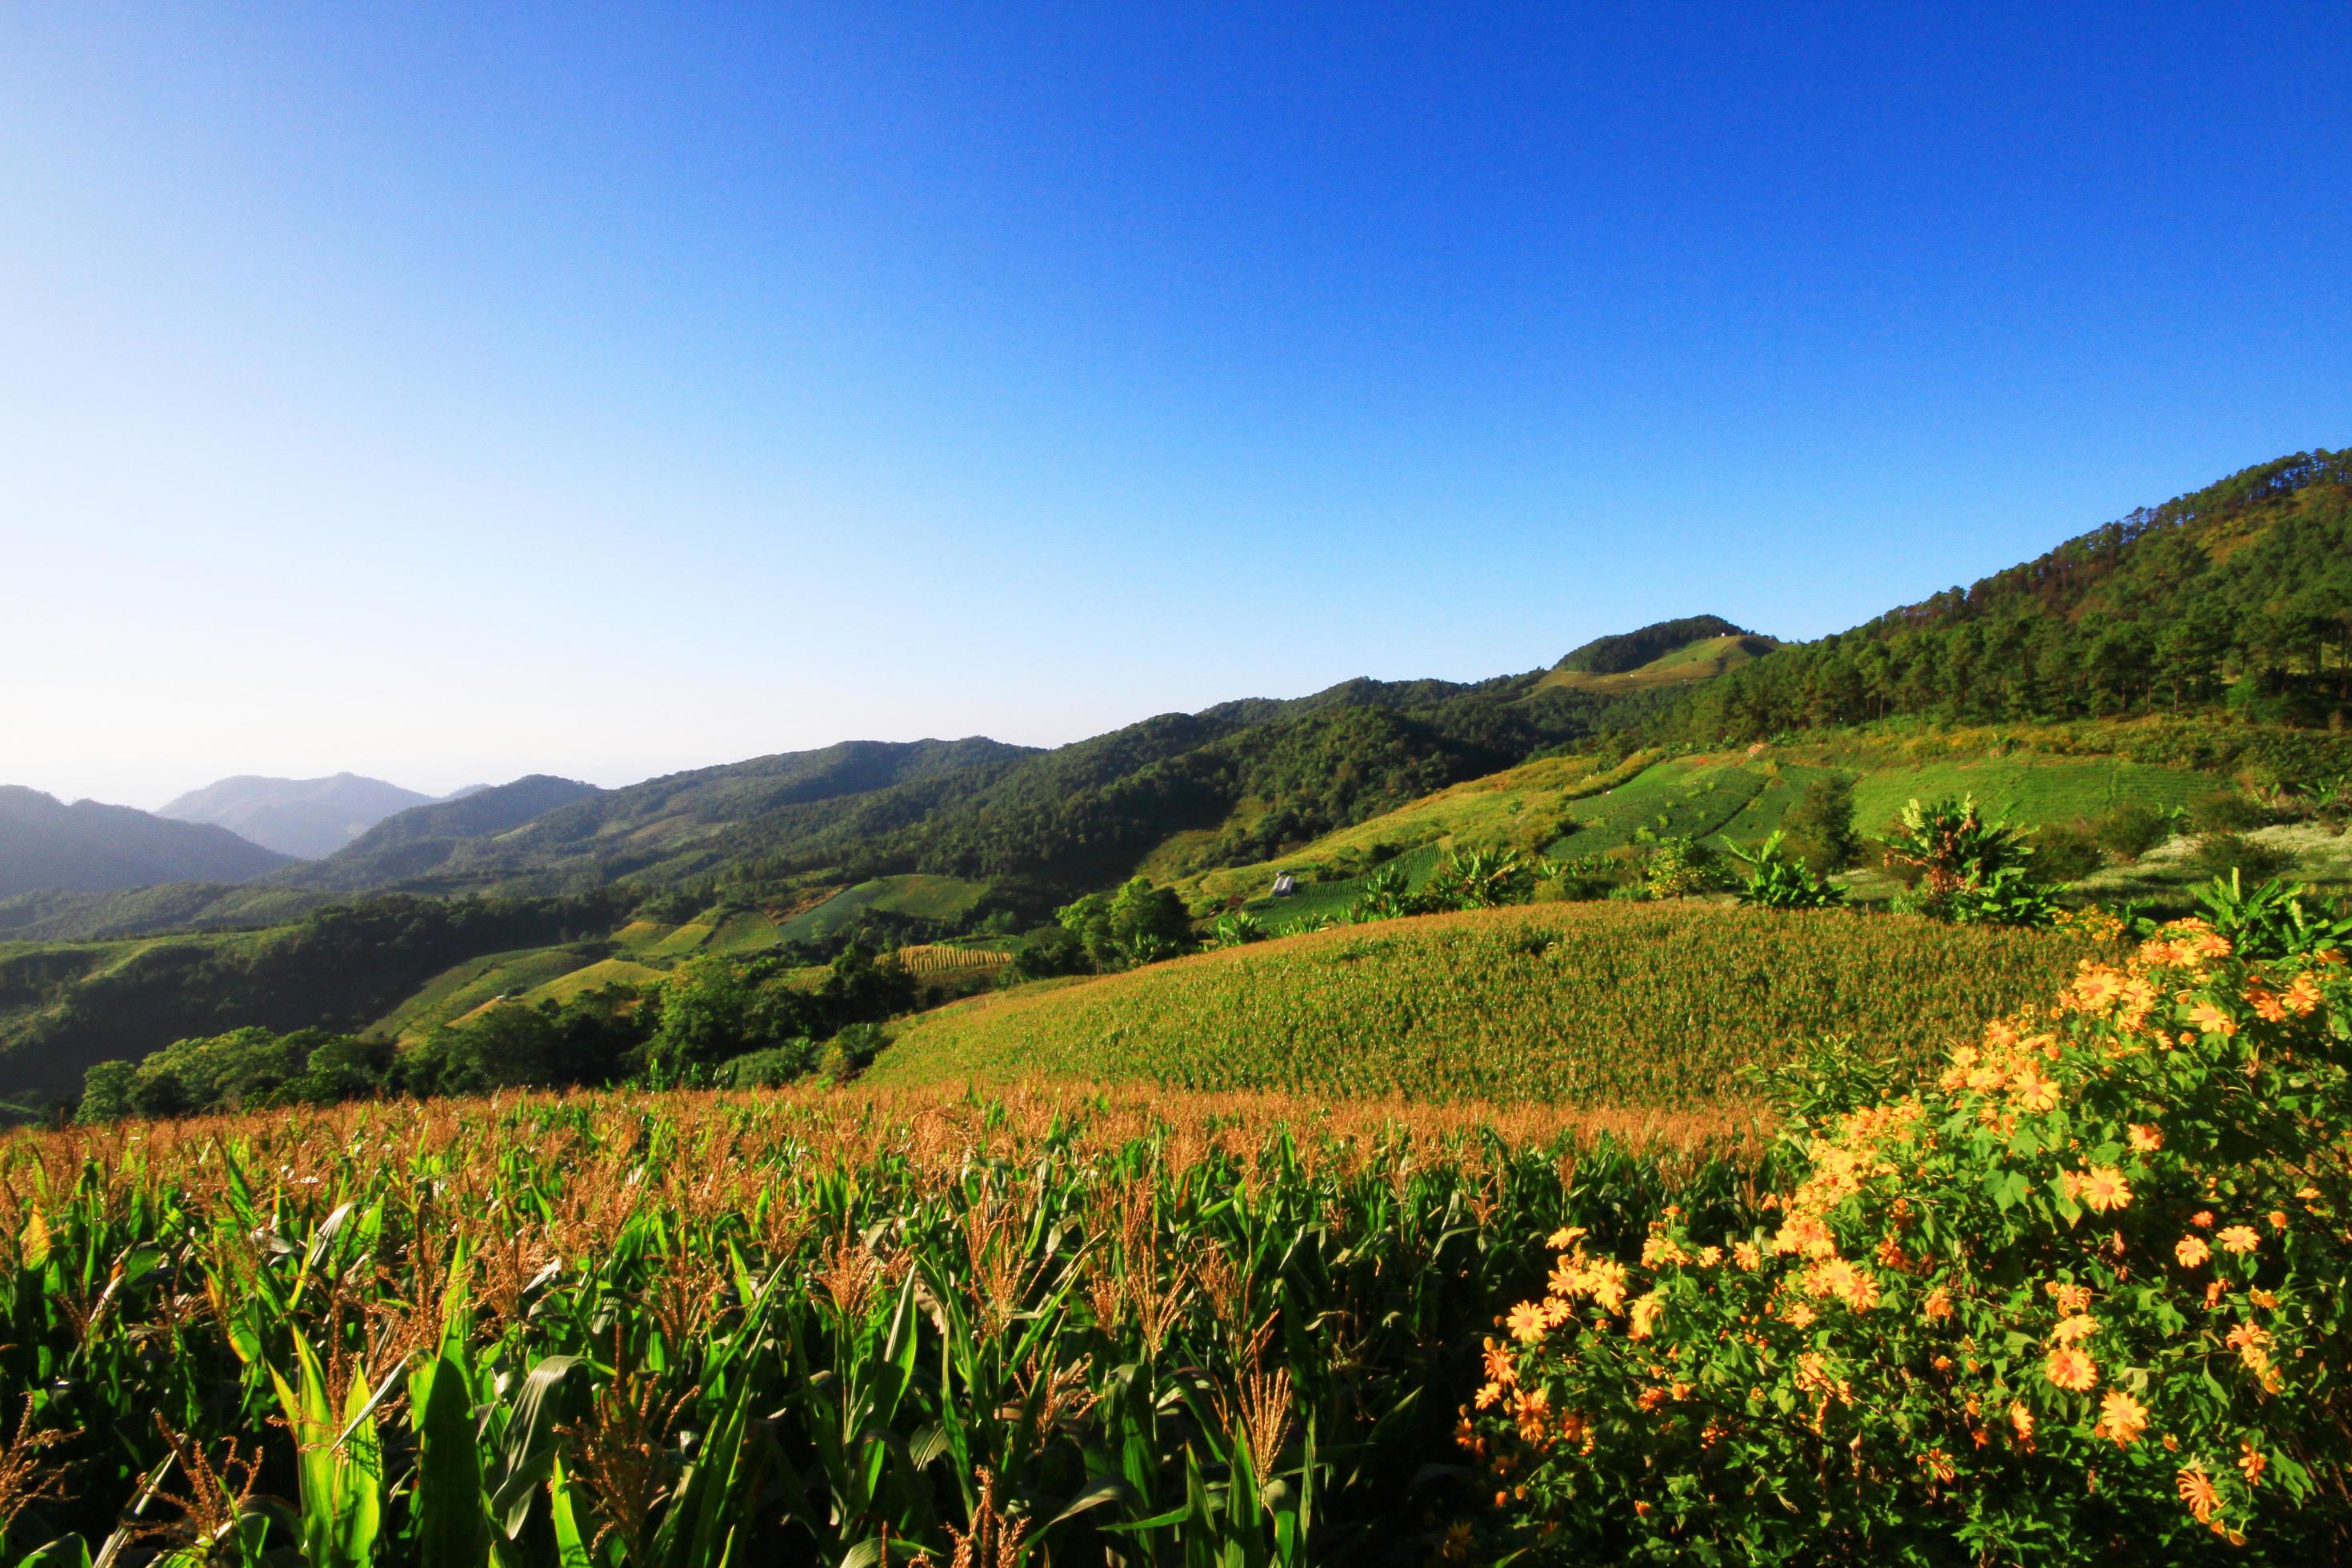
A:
(2083, 1295)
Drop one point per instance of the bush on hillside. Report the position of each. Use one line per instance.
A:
(1819, 826)
(1780, 880)
(2229, 811)
(2227, 853)
(2066, 852)
(1968, 870)
(2131, 831)
(2082, 1295)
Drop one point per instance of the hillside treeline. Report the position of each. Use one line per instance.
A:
(338, 969)
(2238, 596)
(1082, 817)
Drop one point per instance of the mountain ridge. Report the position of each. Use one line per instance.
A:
(89, 847)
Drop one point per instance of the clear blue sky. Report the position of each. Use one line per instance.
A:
(448, 392)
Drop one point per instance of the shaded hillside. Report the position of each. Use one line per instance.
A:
(62, 1008)
(88, 847)
(422, 839)
(2239, 595)
(302, 817)
(678, 826)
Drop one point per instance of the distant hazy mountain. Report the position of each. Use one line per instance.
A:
(420, 841)
(306, 818)
(87, 847)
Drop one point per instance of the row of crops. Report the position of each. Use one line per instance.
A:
(841, 1329)
(1611, 1002)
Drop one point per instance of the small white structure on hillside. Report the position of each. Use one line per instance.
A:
(1283, 885)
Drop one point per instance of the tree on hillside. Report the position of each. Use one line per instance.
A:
(1820, 826)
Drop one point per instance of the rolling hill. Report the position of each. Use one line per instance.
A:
(420, 841)
(47, 845)
(305, 818)
(1613, 1003)
(2237, 596)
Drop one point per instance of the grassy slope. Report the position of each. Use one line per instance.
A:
(1708, 796)
(1524, 805)
(923, 896)
(464, 988)
(1608, 1004)
(1700, 661)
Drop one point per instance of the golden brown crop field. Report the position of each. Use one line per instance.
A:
(1600, 1004)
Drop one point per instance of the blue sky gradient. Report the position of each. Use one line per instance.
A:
(453, 394)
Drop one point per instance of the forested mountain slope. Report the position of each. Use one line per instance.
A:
(421, 840)
(89, 847)
(676, 825)
(2237, 595)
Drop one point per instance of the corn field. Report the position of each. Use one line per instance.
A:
(937, 958)
(1616, 1003)
(840, 1328)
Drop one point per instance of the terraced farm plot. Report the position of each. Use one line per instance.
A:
(940, 959)
(642, 935)
(1517, 805)
(1610, 1003)
(594, 977)
(743, 931)
(466, 987)
(915, 894)
(687, 940)
(2034, 790)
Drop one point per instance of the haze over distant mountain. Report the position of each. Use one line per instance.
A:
(306, 818)
(89, 847)
(419, 840)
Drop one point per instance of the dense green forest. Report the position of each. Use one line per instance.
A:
(2237, 595)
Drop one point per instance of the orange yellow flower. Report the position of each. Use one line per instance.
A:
(2195, 1488)
(1527, 1322)
(2192, 1251)
(2252, 1463)
(2070, 1296)
(2032, 1092)
(2103, 1188)
(1747, 1256)
(2239, 1239)
(1564, 1237)
(2074, 1329)
(2022, 1419)
(2070, 1368)
(2122, 1418)
(1938, 1305)
(2145, 1139)
(2213, 1020)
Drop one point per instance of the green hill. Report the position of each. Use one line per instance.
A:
(2237, 595)
(1599, 1003)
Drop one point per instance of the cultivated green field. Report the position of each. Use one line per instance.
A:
(1608, 1004)
(467, 987)
(923, 897)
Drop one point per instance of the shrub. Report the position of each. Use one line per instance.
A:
(1821, 824)
(1970, 871)
(2131, 831)
(1679, 869)
(2066, 853)
(2229, 811)
(772, 1068)
(2227, 853)
(2081, 1295)
(1777, 880)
